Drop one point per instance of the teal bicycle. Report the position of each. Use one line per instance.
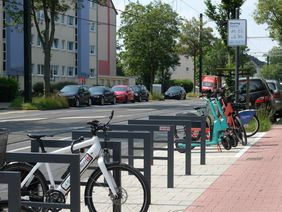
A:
(220, 132)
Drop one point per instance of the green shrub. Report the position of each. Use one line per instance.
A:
(186, 84)
(156, 96)
(38, 89)
(264, 120)
(191, 94)
(8, 89)
(40, 103)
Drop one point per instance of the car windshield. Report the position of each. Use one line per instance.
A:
(271, 85)
(136, 88)
(208, 84)
(70, 88)
(119, 88)
(96, 89)
(173, 89)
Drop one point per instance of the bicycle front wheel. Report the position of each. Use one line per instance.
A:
(252, 126)
(133, 194)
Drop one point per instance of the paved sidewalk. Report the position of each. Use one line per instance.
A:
(188, 188)
(252, 183)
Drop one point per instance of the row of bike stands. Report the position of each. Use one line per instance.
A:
(135, 131)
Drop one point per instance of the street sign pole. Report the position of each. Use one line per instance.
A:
(237, 63)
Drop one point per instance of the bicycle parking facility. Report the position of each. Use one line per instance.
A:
(143, 153)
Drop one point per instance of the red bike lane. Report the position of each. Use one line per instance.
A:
(252, 183)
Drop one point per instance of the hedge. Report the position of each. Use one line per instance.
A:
(8, 89)
(186, 84)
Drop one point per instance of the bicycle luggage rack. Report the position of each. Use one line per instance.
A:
(72, 159)
(152, 129)
(13, 179)
(196, 121)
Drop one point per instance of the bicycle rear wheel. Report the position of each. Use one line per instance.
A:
(133, 190)
(252, 126)
(240, 131)
(34, 191)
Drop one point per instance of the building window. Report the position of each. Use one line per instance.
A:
(40, 69)
(92, 26)
(70, 71)
(40, 15)
(63, 70)
(54, 70)
(92, 72)
(70, 46)
(70, 20)
(55, 43)
(32, 39)
(92, 50)
(62, 19)
(63, 44)
(187, 68)
(38, 42)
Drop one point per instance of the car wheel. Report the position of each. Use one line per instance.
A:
(147, 99)
(114, 101)
(102, 102)
(77, 102)
(89, 103)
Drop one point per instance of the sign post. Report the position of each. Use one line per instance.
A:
(237, 36)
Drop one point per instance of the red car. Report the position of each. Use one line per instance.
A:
(123, 93)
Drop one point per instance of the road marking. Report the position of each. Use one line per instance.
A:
(22, 119)
(82, 117)
(19, 149)
(255, 139)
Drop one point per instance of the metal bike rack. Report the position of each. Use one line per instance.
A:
(72, 159)
(174, 123)
(13, 179)
(196, 121)
(153, 128)
(145, 136)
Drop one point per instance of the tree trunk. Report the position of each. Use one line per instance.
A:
(47, 59)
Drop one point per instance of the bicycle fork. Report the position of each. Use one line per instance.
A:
(108, 176)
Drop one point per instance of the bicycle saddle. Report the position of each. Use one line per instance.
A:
(38, 136)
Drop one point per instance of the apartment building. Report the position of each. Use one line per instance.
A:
(84, 47)
(185, 69)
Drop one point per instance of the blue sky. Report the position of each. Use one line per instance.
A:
(258, 37)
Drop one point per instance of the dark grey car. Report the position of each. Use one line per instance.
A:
(76, 95)
(102, 95)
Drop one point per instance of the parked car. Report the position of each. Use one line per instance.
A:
(276, 89)
(76, 95)
(123, 93)
(175, 92)
(101, 95)
(140, 92)
(259, 93)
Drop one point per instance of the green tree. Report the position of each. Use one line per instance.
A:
(272, 71)
(220, 13)
(270, 13)
(215, 57)
(275, 55)
(43, 11)
(149, 40)
(189, 42)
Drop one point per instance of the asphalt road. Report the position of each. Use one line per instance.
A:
(61, 122)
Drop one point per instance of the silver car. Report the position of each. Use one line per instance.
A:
(276, 90)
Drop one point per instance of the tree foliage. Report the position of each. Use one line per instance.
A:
(220, 13)
(189, 42)
(270, 13)
(44, 14)
(149, 40)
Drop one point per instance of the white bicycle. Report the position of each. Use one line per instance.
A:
(102, 193)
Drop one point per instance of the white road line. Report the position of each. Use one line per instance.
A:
(82, 117)
(22, 119)
(242, 151)
(19, 149)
